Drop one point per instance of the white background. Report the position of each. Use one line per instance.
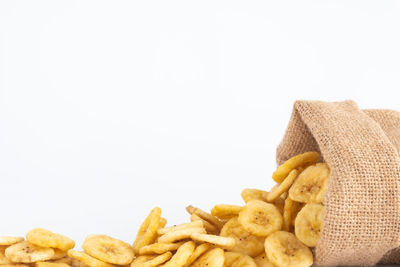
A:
(109, 108)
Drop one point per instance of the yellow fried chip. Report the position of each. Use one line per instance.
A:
(287, 214)
(212, 258)
(278, 190)
(26, 252)
(46, 238)
(3, 258)
(311, 184)
(87, 259)
(10, 240)
(297, 161)
(178, 235)
(182, 255)
(151, 261)
(297, 207)
(200, 250)
(159, 248)
(148, 230)
(284, 249)
(237, 259)
(244, 241)
(51, 264)
(260, 218)
(205, 216)
(194, 224)
(225, 212)
(262, 261)
(108, 249)
(70, 261)
(222, 241)
(308, 224)
(254, 194)
(211, 229)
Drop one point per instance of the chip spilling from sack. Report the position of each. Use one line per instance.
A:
(276, 228)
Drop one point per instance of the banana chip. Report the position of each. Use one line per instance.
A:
(51, 264)
(254, 194)
(278, 190)
(194, 224)
(212, 258)
(260, 218)
(244, 241)
(297, 161)
(26, 252)
(311, 184)
(15, 265)
(3, 258)
(225, 242)
(163, 222)
(59, 254)
(159, 248)
(70, 261)
(225, 212)
(308, 224)
(10, 240)
(262, 261)
(205, 216)
(178, 235)
(182, 255)
(87, 259)
(200, 250)
(148, 230)
(287, 214)
(108, 249)
(48, 239)
(284, 250)
(151, 261)
(236, 259)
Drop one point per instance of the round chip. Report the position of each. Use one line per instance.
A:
(148, 230)
(308, 224)
(283, 249)
(151, 260)
(311, 184)
(26, 252)
(108, 249)
(278, 190)
(260, 218)
(254, 194)
(244, 241)
(10, 240)
(262, 261)
(179, 235)
(48, 239)
(71, 262)
(212, 258)
(205, 216)
(87, 259)
(297, 161)
(225, 212)
(182, 255)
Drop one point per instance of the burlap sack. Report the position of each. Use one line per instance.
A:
(362, 217)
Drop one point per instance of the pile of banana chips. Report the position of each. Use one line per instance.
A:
(275, 228)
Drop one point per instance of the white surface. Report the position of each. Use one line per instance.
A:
(108, 108)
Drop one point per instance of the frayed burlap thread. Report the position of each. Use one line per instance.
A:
(362, 218)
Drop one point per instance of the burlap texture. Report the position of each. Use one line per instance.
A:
(362, 219)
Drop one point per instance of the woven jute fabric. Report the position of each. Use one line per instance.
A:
(362, 205)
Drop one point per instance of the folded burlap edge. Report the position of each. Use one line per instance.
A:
(362, 203)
